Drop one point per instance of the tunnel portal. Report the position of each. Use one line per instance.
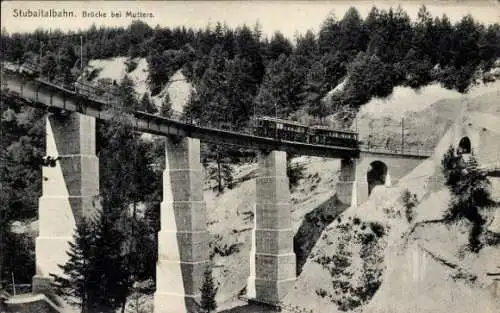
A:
(376, 175)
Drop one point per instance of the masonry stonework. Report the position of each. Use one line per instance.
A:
(274, 257)
(352, 187)
(70, 190)
(182, 239)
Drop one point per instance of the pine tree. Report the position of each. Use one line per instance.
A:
(315, 90)
(127, 95)
(282, 86)
(159, 72)
(241, 93)
(137, 303)
(48, 66)
(307, 46)
(415, 70)
(351, 35)
(96, 276)
(79, 282)
(116, 278)
(278, 45)
(227, 172)
(121, 258)
(368, 77)
(212, 90)
(208, 292)
(470, 193)
(327, 33)
(166, 106)
(247, 46)
(224, 171)
(424, 35)
(146, 104)
(21, 149)
(335, 64)
(67, 59)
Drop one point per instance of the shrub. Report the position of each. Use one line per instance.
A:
(321, 292)
(131, 65)
(409, 202)
(377, 228)
(470, 193)
(367, 238)
(294, 172)
(93, 74)
(223, 249)
(208, 292)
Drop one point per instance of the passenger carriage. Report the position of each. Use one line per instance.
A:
(281, 129)
(332, 137)
(288, 130)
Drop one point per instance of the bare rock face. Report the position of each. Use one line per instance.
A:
(426, 263)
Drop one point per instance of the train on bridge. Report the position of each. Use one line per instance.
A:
(264, 126)
(292, 131)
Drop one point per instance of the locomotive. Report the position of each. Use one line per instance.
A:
(293, 131)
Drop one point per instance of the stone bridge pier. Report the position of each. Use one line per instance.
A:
(359, 176)
(274, 255)
(70, 191)
(183, 238)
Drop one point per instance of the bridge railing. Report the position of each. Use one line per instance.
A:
(490, 167)
(396, 150)
(108, 97)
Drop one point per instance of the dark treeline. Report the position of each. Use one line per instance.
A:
(238, 72)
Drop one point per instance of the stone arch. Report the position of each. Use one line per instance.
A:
(464, 146)
(377, 175)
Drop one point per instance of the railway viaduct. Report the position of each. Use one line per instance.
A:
(71, 191)
(358, 176)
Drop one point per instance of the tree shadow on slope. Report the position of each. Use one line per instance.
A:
(314, 223)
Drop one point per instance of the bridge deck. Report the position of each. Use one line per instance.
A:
(37, 92)
(40, 93)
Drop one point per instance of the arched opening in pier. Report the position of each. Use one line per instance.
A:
(464, 146)
(377, 175)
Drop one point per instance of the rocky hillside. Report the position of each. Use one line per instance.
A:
(178, 88)
(431, 105)
(374, 258)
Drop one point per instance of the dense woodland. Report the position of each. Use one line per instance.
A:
(236, 73)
